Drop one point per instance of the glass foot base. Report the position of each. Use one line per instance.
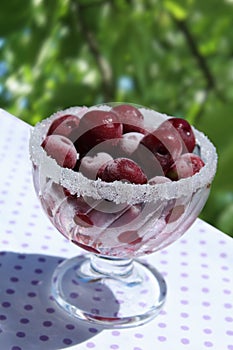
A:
(110, 292)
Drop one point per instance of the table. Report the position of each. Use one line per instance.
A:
(198, 269)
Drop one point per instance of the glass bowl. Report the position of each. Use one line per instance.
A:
(115, 223)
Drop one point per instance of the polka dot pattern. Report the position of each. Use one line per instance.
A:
(28, 314)
(198, 269)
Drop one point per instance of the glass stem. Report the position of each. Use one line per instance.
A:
(110, 266)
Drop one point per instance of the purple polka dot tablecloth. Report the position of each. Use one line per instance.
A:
(198, 269)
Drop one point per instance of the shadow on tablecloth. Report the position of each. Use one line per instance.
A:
(29, 318)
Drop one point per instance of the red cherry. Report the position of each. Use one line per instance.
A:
(186, 165)
(64, 125)
(100, 172)
(122, 169)
(147, 161)
(131, 118)
(185, 131)
(96, 126)
(164, 145)
(61, 149)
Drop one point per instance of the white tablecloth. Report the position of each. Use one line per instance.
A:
(198, 269)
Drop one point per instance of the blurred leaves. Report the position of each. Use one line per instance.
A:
(14, 16)
(173, 55)
(176, 9)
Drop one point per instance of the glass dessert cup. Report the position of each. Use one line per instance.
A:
(115, 224)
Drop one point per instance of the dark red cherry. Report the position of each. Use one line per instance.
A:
(185, 131)
(131, 118)
(164, 145)
(122, 169)
(64, 125)
(96, 126)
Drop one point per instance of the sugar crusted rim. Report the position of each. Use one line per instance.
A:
(118, 191)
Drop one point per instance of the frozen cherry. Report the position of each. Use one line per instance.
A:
(64, 125)
(90, 165)
(122, 169)
(96, 126)
(131, 118)
(129, 142)
(185, 131)
(186, 165)
(164, 144)
(61, 149)
(156, 180)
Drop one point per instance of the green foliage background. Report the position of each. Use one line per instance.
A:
(173, 55)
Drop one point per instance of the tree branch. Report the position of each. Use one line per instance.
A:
(200, 59)
(203, 65)
(93, 3)
(103, 66)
